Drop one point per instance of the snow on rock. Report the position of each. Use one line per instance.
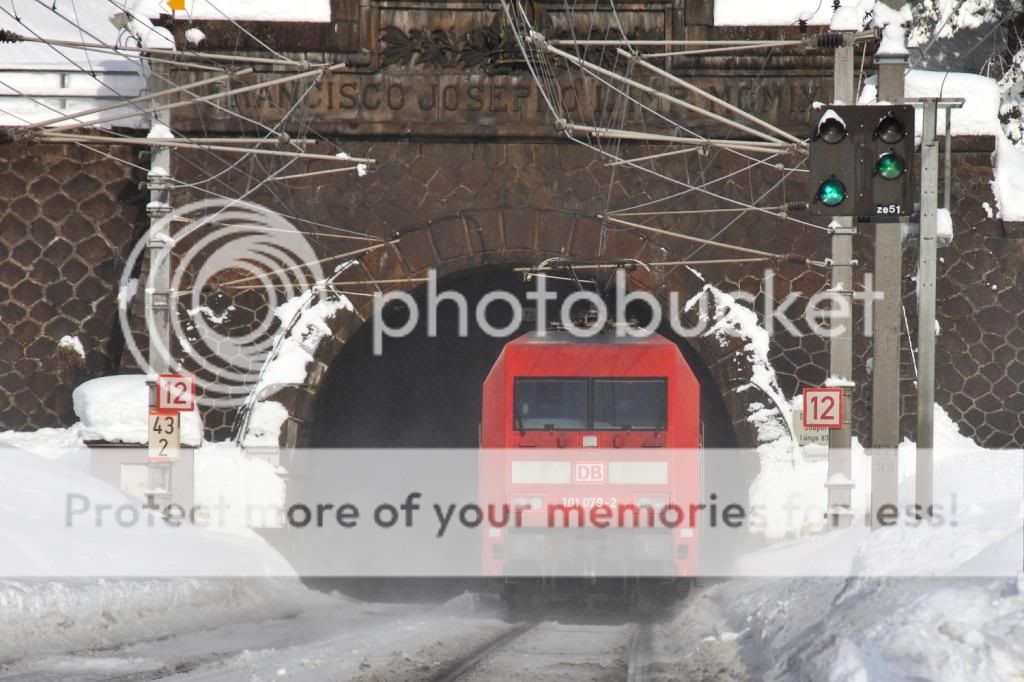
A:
(790, 12)
(73, 345)
(243, 10)
(115, 408)
(1008, 185)
(304, 328)
(126, 292)
(781, 462)
(264, 426)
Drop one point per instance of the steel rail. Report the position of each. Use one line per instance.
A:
(464, 665)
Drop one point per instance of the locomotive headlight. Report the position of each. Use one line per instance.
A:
(653, 501)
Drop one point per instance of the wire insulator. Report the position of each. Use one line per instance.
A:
(9, 36)
(797, 258)
(796, 206)
(830, 39)
(836, 4)
(803, 26)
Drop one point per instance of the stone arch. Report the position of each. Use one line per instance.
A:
(728, 349)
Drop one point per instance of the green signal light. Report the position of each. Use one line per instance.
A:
(832, 192)
(890, 166)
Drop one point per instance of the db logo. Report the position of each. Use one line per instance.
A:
(588, 472)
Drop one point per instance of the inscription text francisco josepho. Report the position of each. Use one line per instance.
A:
(394, 101)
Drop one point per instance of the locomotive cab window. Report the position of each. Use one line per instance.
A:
(550, 404)
(555, 404)
(628, 404)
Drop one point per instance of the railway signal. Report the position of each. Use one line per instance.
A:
(861, 161)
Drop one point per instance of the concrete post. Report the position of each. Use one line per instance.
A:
(886, 328)
(926, 306)
(840, 481)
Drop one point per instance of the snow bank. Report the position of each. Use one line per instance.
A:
(789, 12)
(59, 445)
(56, 521)
(979, 492)
(48, 617)
(115, 408)
(247, 488)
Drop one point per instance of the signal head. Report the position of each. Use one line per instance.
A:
(890, 166)
(890, 130)
(831, 192)
(832, 130)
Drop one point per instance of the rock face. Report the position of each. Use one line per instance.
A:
(470, 172)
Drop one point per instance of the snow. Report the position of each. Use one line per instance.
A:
(159, 131)
(248, 489)
(114, 409)
(979, 115)
(789, 12)
(830, 115)
(48, 531)
(894, 41)
(304, 324)
(1008, 185)
(56, 81)
(126, 292)
(242, 10)
(884, 15)
(265, 421)
(945, 226)
(194, 36)
(73, 345)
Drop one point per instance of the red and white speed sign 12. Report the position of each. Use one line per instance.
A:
(823, 408)
(176, 392)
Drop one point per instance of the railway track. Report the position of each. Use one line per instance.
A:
(464, 665)
(639, 653)
(638, 647)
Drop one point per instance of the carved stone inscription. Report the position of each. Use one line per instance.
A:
(459, 103)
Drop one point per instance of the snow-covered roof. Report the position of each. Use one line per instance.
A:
(242, 10)
(39, 82)
(114, 409)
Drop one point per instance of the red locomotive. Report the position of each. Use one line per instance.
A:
(597, 424)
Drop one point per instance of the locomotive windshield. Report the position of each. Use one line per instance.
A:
(550, 404)
(547, 404)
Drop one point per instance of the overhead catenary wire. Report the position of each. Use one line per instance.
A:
(183, 144)
(711, 242)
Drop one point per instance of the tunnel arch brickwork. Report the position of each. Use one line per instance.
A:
(515, 237)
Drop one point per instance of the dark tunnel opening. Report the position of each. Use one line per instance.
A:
(425, 391)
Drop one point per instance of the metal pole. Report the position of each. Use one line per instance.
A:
(926, 307)
(886, 328)
(840, 474)
(158, 260)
